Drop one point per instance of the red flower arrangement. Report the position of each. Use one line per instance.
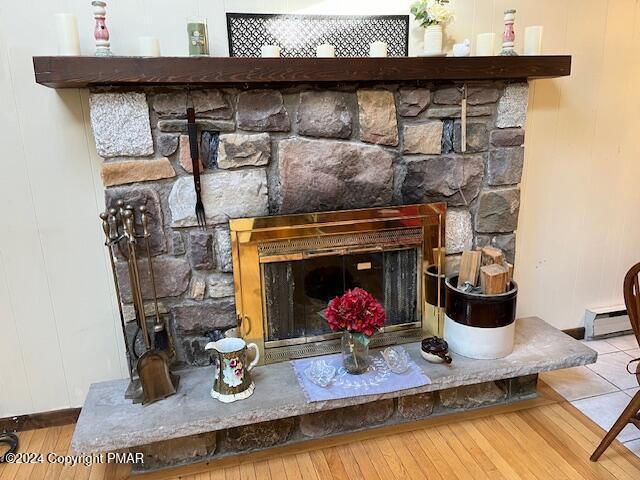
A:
(356, 311)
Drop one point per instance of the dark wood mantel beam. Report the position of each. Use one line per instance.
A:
(76, 72)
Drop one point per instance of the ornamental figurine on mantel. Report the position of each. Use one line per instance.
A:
(101, 32)
(509, 36)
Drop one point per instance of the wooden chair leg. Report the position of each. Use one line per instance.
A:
(631, 411)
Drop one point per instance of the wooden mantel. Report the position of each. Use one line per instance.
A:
(76, 72)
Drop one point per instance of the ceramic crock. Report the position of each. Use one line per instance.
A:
(232, 380)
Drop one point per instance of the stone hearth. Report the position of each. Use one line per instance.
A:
(303, 148)
(190, 426)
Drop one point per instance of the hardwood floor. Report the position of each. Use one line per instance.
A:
(549, 439)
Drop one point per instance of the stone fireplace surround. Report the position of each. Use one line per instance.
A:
(302, 148)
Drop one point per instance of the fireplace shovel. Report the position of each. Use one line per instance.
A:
(153, 366)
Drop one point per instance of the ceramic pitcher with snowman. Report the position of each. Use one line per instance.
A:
(232, 380)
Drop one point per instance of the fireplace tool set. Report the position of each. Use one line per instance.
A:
(151, 379)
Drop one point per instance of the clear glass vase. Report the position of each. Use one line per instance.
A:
(355, 352)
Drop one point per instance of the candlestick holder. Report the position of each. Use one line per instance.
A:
(101, 32)
(509, 35)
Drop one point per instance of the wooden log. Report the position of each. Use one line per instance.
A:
(492, 255)
(493, 279)
(469, 268)
(509, 274)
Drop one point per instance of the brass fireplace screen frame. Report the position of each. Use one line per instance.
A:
(255, 241)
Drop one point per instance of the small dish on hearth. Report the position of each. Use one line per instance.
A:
(396, 359)
(435, 350)
(320, 373)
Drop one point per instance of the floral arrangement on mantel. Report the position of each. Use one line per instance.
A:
(432, 14)
(358, 315)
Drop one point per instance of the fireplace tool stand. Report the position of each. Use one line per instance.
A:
(150, 375)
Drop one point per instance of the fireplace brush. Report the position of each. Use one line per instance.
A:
(154, 380)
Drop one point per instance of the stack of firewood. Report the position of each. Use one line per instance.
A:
(485, 270)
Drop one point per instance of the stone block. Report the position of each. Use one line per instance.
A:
(171, 274)
(262, 111)
(206, 103)
(507, 137)
(512, 107)
(346, 419)
(198, 287)
(204, 125)
(167, 144)
(415, 407)
(440, 179)
(225, 194)
(209, 149)
(459, 231)
(473, 396)
(185, 155)
(201, 317)
(178, 247)
(223, 250)
(498, 211)
(137, 196)
(318, 175)
(524, 387)
(455, 111)
(447, 136)
(190, 350)
(201, 250)
(475, 95)
(477, 137)
(132, 171)
(324, 114)
(413, 101)
(240, 150)
(425, 138)
(220, 285)
(120, 123)
(170, 453)
(257, 436)
(505, 166)
(377, 114)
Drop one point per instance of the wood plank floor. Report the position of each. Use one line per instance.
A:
(548, 439)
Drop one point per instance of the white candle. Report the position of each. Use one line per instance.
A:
(533, 40)
(325, 50)
(67, 31)
(149, 46)
(378, 49)
(485, 44)
(270, 51)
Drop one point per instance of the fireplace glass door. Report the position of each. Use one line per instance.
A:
(297, 292)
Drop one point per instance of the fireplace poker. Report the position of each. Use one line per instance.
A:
(160, 334)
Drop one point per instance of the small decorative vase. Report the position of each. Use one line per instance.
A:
(355, 352)
(433, 40)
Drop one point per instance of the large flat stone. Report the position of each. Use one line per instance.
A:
(132, 171)
(377, 113)
(223, 250)
(498, 211)
(477, 137)
(262, 111)
(207, 103)
(120, 123)
(109, 422)
(459, 231)
(512, 107)
(425, 138)
(413, 101)
(440, 179)
(505, 166)
(320, 175)
(324, 114)
(225, 194)
(203, 317)
(171, 274)
(204, 125)
(238, 150)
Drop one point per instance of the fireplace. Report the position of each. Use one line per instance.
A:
(287, 269)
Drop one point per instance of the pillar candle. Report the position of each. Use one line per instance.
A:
(149, 46)
(378, 49)
(325, 50)
(67, 31)
(270, 51)
(533, 40)
(485, 44)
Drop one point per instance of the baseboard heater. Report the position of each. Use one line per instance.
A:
(606, 322)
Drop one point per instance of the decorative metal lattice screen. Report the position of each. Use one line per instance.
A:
(299, 35)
